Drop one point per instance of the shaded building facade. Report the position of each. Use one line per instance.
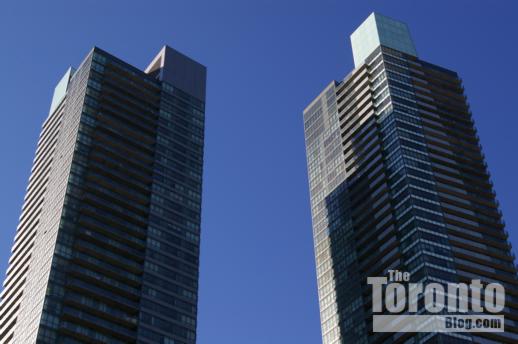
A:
(398, 181)
(107, 246)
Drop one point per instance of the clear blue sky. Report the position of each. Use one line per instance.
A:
(266, 61)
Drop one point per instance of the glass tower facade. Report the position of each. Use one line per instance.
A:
(398, 180)
(107, 246)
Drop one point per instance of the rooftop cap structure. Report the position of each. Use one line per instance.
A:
(379, 30)
(61, 89)
(180, 70)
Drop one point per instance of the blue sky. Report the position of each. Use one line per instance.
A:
(266, 61)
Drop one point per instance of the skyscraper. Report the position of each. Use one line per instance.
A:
(107, 246)
(398, 181)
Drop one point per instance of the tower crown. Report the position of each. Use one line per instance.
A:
(379, 30)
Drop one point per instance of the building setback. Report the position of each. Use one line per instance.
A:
(398, 181)
(107, 246)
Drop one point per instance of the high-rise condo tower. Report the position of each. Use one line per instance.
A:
(107, 246)
(398, 181)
